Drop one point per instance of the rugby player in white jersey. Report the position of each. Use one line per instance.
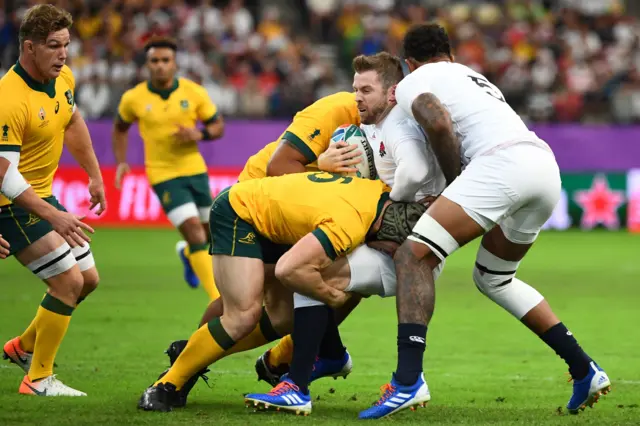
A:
(509, 185)
(405, 163)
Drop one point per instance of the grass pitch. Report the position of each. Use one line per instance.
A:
(482, 366)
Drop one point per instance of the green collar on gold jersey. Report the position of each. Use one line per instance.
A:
(49, 88)
(163, 93)
(384, 197)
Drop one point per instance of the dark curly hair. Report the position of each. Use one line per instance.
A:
(425, 42)
(160, 42)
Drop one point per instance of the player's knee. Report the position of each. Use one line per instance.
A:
(193, 231)
(91, 279)
(491, 273)
(411, 251)
(246, 317)
(67, 286)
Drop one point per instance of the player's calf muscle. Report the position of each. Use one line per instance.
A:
(415, 296)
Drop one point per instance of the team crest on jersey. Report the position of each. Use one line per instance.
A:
(147, 108)
(33, 219)
(184, 104)
(166, 198)
(383, 150)
(69, 95)
(5, 133)
(57, 107)
(42, 114)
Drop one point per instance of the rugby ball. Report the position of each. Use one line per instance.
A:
(353, 135)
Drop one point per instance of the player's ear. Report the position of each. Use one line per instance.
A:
(391, 96)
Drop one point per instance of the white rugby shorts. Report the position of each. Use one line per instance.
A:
(515, 187)
(373, 273)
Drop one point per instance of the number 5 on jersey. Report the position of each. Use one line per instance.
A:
(489, 88)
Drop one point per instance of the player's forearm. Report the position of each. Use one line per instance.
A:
(407, 182)
(119, 140)
(78, 141)
(31, 202)
(14, 186)
(284, 166)
(307, 280)
(436, 122)
(213, 130)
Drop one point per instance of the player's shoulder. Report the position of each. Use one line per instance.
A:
(135, 91)
(67, 75)
(400, 126)
(14, 91)
(191, 86)
(341, 98)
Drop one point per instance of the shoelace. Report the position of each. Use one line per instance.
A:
(205, 378)
(387, 391)
(282, 388)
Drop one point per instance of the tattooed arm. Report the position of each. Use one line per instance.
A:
(436, 122)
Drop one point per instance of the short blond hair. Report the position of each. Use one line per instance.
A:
(387, 66)
(41, 20)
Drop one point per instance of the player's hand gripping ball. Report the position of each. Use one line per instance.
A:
(353, 135)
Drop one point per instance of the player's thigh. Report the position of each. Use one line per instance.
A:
(201, 193)
(237, 257)
(50, 258)
(21, 228)
(177, 200)
(371, 272)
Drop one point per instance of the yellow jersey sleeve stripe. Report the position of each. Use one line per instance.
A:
(325, 243)
(300, 146)
(10, 148)
(211, 120)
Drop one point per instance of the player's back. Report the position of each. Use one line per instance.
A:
(310, 132)
(480, 114)
(285, 208)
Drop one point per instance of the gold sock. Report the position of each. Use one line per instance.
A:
(51, 323)
(202, 265)
(28, 338)
(282, 352)
(261, 335)
(205, 346)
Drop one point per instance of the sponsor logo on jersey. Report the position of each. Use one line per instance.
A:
(314, 135)
(57, 107)
(42, 114)
(382, 151)
(5, 133)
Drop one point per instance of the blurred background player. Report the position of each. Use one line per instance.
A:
(167, 109)
(39, 115)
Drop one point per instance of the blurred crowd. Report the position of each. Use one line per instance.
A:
(555, 61)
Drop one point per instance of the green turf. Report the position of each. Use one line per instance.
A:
(482, 366)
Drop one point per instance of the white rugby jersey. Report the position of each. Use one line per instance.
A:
(481, 117)
(402, 157)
